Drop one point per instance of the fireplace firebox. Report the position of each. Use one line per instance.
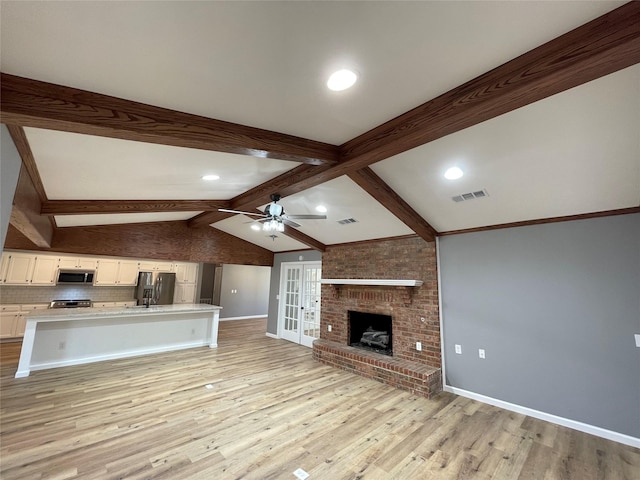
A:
(371, 331)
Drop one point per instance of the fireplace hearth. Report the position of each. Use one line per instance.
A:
(371, 331)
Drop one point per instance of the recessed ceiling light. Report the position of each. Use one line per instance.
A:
(321, 209)
(341, 80)
(256, 227)
(211, 177)
(453, 173)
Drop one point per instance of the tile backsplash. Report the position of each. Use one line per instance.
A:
(19, 294)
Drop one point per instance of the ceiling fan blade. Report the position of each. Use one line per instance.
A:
(241, 212)
(258, 220)
(307, 217)
(286, 221)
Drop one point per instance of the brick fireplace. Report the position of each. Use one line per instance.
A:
(414, 311)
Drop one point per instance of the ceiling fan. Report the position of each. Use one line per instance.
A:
(274, 217)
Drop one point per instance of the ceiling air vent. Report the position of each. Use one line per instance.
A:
(347, 221)
(470, 196)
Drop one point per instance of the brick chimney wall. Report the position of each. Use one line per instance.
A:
(405, 259)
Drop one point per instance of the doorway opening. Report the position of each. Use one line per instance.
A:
(299, 307)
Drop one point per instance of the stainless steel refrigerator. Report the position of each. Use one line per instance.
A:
(155, 288)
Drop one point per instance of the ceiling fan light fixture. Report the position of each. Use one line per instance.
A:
(341, 80)
(321, 209)
(273, 225)
(453, 173)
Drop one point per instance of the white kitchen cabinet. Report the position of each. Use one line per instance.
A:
(19, 269)
(13, 319)
(106, 272)
(29, 307)
(185, 293)
(4, 263)
(78, 263)
(186, 272)
(45, 268)
(104, 304)
(155, 266)
(8, 319)
(186, 278)
(128, 272)
(116, 272)
(130, 303)
(21, 321)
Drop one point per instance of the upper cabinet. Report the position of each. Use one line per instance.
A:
(154, 266)
(44, 270)
(28, 269)
(128, 272)
(77, 263)
(23, 268)
(186, 272)
(116, 272)
(18, 268)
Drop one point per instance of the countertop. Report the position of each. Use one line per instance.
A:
(73, 313)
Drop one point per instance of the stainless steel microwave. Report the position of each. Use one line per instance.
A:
(75, 276)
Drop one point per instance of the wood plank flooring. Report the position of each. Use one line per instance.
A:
(270, 410)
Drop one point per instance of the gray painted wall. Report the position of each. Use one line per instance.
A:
(10, 163)
(274, 288)
(555, 307)
(252, 285)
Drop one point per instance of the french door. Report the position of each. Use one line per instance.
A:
(299, 313)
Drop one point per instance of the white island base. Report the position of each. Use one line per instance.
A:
(63, 337)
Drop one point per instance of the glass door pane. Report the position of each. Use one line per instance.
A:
(291, 306)
(311, 305)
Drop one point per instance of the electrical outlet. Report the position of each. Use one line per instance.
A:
(481, 352)
(419, 346)
(62, 345)
(328, 328)
(458, 349)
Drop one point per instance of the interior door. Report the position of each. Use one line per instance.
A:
(310, 304)
(299, 317)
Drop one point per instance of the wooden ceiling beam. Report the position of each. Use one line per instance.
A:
(32, 103)
(598, 48)
(285, 184)
(24, 150)
(90, 207)
(383, 193)
(304, 238)
(25, 214)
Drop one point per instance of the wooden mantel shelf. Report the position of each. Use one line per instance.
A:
(371, 281)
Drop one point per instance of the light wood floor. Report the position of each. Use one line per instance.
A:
(270, 410)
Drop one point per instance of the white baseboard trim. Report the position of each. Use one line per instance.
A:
(565, 422)
(115, 356)
(271, 335)
(249, 317)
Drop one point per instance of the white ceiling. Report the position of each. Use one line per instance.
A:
(576, 152)
(264, 64)
(81, 167)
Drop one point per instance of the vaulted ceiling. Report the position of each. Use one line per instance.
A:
(119, 109)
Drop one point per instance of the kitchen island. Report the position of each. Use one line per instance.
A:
(57, 338)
